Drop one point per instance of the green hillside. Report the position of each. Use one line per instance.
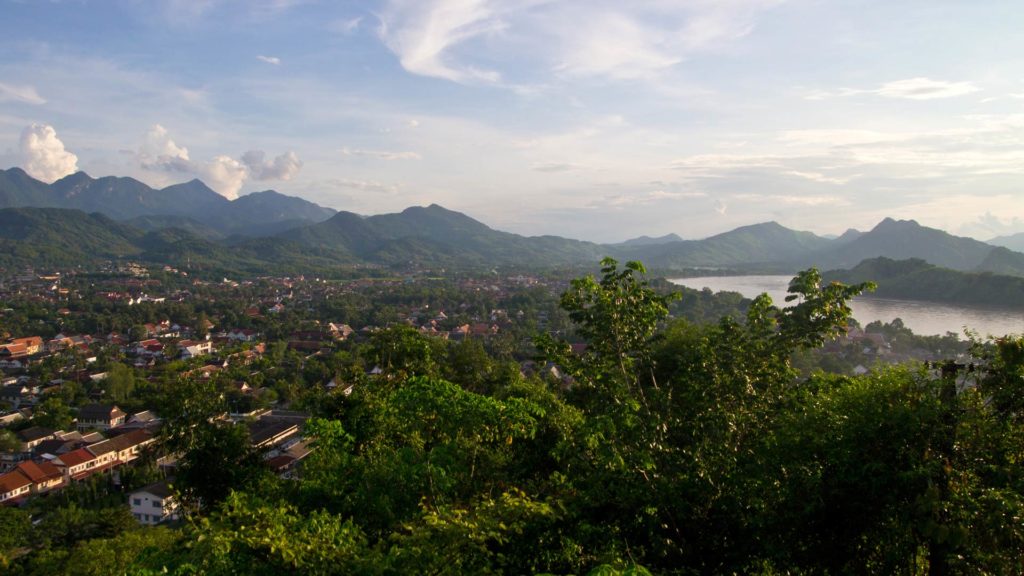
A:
(916, 279)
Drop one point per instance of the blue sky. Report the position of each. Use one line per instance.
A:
(591, 119)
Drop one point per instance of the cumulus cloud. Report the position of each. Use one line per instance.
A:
(159, 152)
(222, 173)
(16, 93)
(282, 167)
(269, 59)
(43, 154)
(380, 154)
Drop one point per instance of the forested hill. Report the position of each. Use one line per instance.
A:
(434, 233)
(901, 239)
(916, 279)
(263, 230)
(259, 213)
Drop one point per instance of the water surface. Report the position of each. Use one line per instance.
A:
(921, 317)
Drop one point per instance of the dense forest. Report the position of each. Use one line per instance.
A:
(668, 446)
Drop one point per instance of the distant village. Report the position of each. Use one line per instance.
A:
(104, 438)
(226, 331)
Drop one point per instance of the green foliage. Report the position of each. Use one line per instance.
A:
(248, 535)
(15, 528)
(53, 413)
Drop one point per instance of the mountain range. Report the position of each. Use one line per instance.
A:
(79, 218)
(191, 205)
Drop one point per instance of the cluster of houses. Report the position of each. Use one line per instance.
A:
(48, 460)
(106, 439)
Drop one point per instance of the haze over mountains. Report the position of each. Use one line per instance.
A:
(79, 218)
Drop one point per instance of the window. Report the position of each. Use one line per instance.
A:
(137, 502)
(157, 504)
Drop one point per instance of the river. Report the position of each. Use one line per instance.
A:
(923, 318)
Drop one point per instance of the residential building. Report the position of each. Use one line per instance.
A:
(153, 504)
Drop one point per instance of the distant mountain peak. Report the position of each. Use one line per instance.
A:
(891, 223)
(651, 240)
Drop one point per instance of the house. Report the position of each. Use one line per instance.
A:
(100, 417)
(121, 449)
(153, 504)
(148, 347)
(340, 331)
(77, 465)
(243, 335)
(45, 476)
(13, 363)
(8, 418)
(266, 433)
(14, 394)
(12, 351)
(33, 344)
(32, 437)
(195, 348)
(14, 485)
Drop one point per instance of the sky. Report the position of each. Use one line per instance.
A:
(592, 119)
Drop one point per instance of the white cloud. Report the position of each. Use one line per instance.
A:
(794, 199)
(283, 167)
(925, 89)
(16, 93)
(554, 167)
(159, 152)
(818, 177)
(43, 154)
(988, 226)
(422, 32)
(269, 59)
(346, 26)
(643, 198)
(574, 38)
(224, 174)
(364, 185)
(615, 46)
(918, 88)
(381, 154)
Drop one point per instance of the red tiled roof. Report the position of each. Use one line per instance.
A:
(76, 457)
(13, 481)
(38, 472)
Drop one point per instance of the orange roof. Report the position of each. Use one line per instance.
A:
(76, 457)
(38, 472)
(13, 481)
(15, 349)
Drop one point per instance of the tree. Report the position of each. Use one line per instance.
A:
(401, 351)
(53, 413)
(15, 531)
(120, 382)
